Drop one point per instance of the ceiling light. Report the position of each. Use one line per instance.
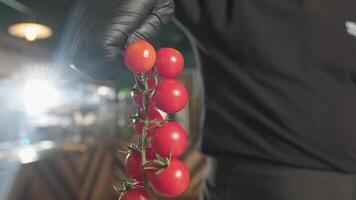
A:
(30, 31)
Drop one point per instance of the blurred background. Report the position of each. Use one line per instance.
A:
(60, 131)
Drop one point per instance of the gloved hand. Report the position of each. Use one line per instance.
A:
(107, 26)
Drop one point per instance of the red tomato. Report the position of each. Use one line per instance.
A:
(133, 163)
(135, 194)
(154, 116)
(150, 154)
(169, 63)
(173, 181)
(169, 139)
(140, 56)
(170, 96)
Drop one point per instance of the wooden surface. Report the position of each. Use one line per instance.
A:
(86, 172)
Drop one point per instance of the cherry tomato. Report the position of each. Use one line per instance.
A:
(135, 194)
(154, 117)
(173, 181)
(169, 63)
(133, 163)
(140, 56)
(150, 154)
(151, 83)
(169, 139)
(170, 96)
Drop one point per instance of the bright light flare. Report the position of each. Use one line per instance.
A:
(27, 155)
(39, 96)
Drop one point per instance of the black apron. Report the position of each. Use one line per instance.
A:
(253, 179)
(279, 78)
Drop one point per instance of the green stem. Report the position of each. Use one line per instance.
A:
(145, 128)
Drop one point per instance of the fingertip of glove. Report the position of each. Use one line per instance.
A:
(164, 10)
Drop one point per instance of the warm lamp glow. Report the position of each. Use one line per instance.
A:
(30, 31)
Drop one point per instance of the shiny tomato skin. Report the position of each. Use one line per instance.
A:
(133, 163)
(173, 181)
(135, 194)
(154, 116)
(169, 63)
(169, 140)
(170, 96)
(140, 56)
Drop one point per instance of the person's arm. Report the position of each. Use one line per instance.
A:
(106, 26)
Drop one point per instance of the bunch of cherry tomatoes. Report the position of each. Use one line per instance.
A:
(153, 161)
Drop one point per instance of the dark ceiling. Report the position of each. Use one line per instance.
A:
(58, 14)
(53, 13)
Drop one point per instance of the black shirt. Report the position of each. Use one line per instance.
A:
(280, 79)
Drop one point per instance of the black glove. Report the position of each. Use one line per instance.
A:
(107, 26)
